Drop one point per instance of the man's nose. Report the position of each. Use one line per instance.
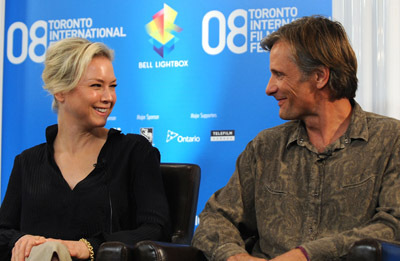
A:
(271, 87)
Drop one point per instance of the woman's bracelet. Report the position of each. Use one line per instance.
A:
(90, 248)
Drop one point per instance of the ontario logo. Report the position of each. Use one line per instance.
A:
(162, 30)
(172, 135)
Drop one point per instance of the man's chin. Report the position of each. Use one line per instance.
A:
(282, 115)
(286, 116)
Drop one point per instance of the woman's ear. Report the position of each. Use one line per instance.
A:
(59, 97)
(322, 74)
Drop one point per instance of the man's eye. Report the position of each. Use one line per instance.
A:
(113, 85)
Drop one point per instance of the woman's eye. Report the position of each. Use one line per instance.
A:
(95, 85)
(113, 85)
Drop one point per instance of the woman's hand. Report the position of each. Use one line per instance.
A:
(22, 248)
(76, 249)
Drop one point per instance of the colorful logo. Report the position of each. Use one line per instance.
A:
(161, 29)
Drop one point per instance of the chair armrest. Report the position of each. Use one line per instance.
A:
(148, 251)
(114, 251)
(157, 251)
(374, 250)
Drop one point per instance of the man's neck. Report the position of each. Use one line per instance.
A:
(329, 123)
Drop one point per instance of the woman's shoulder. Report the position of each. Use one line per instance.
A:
(34, 153)
(129, 140)
(124, 144)
(127, 137)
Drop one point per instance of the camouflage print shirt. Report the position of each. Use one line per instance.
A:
(286, 194)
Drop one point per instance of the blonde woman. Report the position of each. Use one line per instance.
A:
(86, 184)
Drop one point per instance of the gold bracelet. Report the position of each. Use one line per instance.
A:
(90, 248)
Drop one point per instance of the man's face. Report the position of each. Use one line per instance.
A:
(293, 91)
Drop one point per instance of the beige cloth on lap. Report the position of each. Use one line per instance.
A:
(46, 251)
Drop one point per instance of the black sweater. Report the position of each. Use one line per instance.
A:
(122, 199)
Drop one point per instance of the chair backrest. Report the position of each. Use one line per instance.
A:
(181, 183)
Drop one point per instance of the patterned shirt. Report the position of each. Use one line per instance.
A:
(285, 194)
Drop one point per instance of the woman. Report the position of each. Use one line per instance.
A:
(86, 184)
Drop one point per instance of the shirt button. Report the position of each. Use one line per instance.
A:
(346, 140)
(315, 194)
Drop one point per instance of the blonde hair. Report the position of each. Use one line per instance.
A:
(66, 62)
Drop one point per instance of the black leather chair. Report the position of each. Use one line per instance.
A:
(181, 183)
(374, 250)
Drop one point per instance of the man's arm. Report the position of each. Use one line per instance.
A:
(229, 215)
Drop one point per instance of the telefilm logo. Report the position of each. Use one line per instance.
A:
(35, 40)
(171, 135)
(163, 30)
(250, 26)
(222, 135)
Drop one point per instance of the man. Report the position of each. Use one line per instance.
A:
(309, 188)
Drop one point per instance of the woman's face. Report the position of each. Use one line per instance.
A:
(92, 100)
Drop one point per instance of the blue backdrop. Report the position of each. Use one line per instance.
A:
(191, 76)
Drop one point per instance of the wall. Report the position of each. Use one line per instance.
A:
(373, 28)
(199, 100)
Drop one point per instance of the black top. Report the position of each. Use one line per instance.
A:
(122, 199)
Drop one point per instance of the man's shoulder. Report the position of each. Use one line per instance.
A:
(379, 117)
(277, 133)
(382, 123)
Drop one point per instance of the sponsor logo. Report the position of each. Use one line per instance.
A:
(222, 135)
(171, 135)
(163, 32)
(161, 28)
(181, 139)
(147, 133)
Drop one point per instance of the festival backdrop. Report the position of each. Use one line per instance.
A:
(191, 75)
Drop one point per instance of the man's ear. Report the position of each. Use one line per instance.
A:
(322, 74)
(59, 97)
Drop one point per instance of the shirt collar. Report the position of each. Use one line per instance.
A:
(358, 129)
(51, 133)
